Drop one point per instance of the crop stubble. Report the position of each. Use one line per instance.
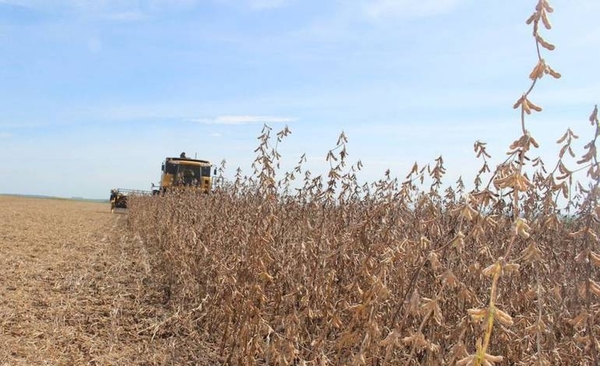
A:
(71, 288)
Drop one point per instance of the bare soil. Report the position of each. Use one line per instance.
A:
(74, 290)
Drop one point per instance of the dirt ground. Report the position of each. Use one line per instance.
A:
(74, 291)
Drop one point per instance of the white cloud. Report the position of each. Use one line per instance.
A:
(127, 16)
(18, 2)
(378, 9)
(119, 10)
(15, 125)
(5, 135)
(254, 4)
(102, 3)
(267, 4)
(243, 119)
(94, 45)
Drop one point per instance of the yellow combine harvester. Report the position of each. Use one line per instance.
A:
(182, 172)
(177, 173)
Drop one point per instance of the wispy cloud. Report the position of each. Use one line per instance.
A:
(255, 4)
(18, 125)
(267, 4)
(114, 10)
(379, 9)
(5, 135)
(94, 45)
(18, 2)
(127, 16)
(242, 120)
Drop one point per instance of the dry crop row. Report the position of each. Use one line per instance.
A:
(385, 274)
(332, 272)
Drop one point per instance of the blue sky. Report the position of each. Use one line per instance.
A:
(94, 94)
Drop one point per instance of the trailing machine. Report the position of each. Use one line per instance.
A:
(118, 197)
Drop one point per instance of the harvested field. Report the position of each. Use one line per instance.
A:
(74, 289)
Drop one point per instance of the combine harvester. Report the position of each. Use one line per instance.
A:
(183, 172)
(177, 173)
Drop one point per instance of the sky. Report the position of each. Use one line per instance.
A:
(94, 94)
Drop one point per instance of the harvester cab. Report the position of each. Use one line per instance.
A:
(185, 172)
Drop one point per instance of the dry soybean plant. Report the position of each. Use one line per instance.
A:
(292, 268)
(510, 175)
